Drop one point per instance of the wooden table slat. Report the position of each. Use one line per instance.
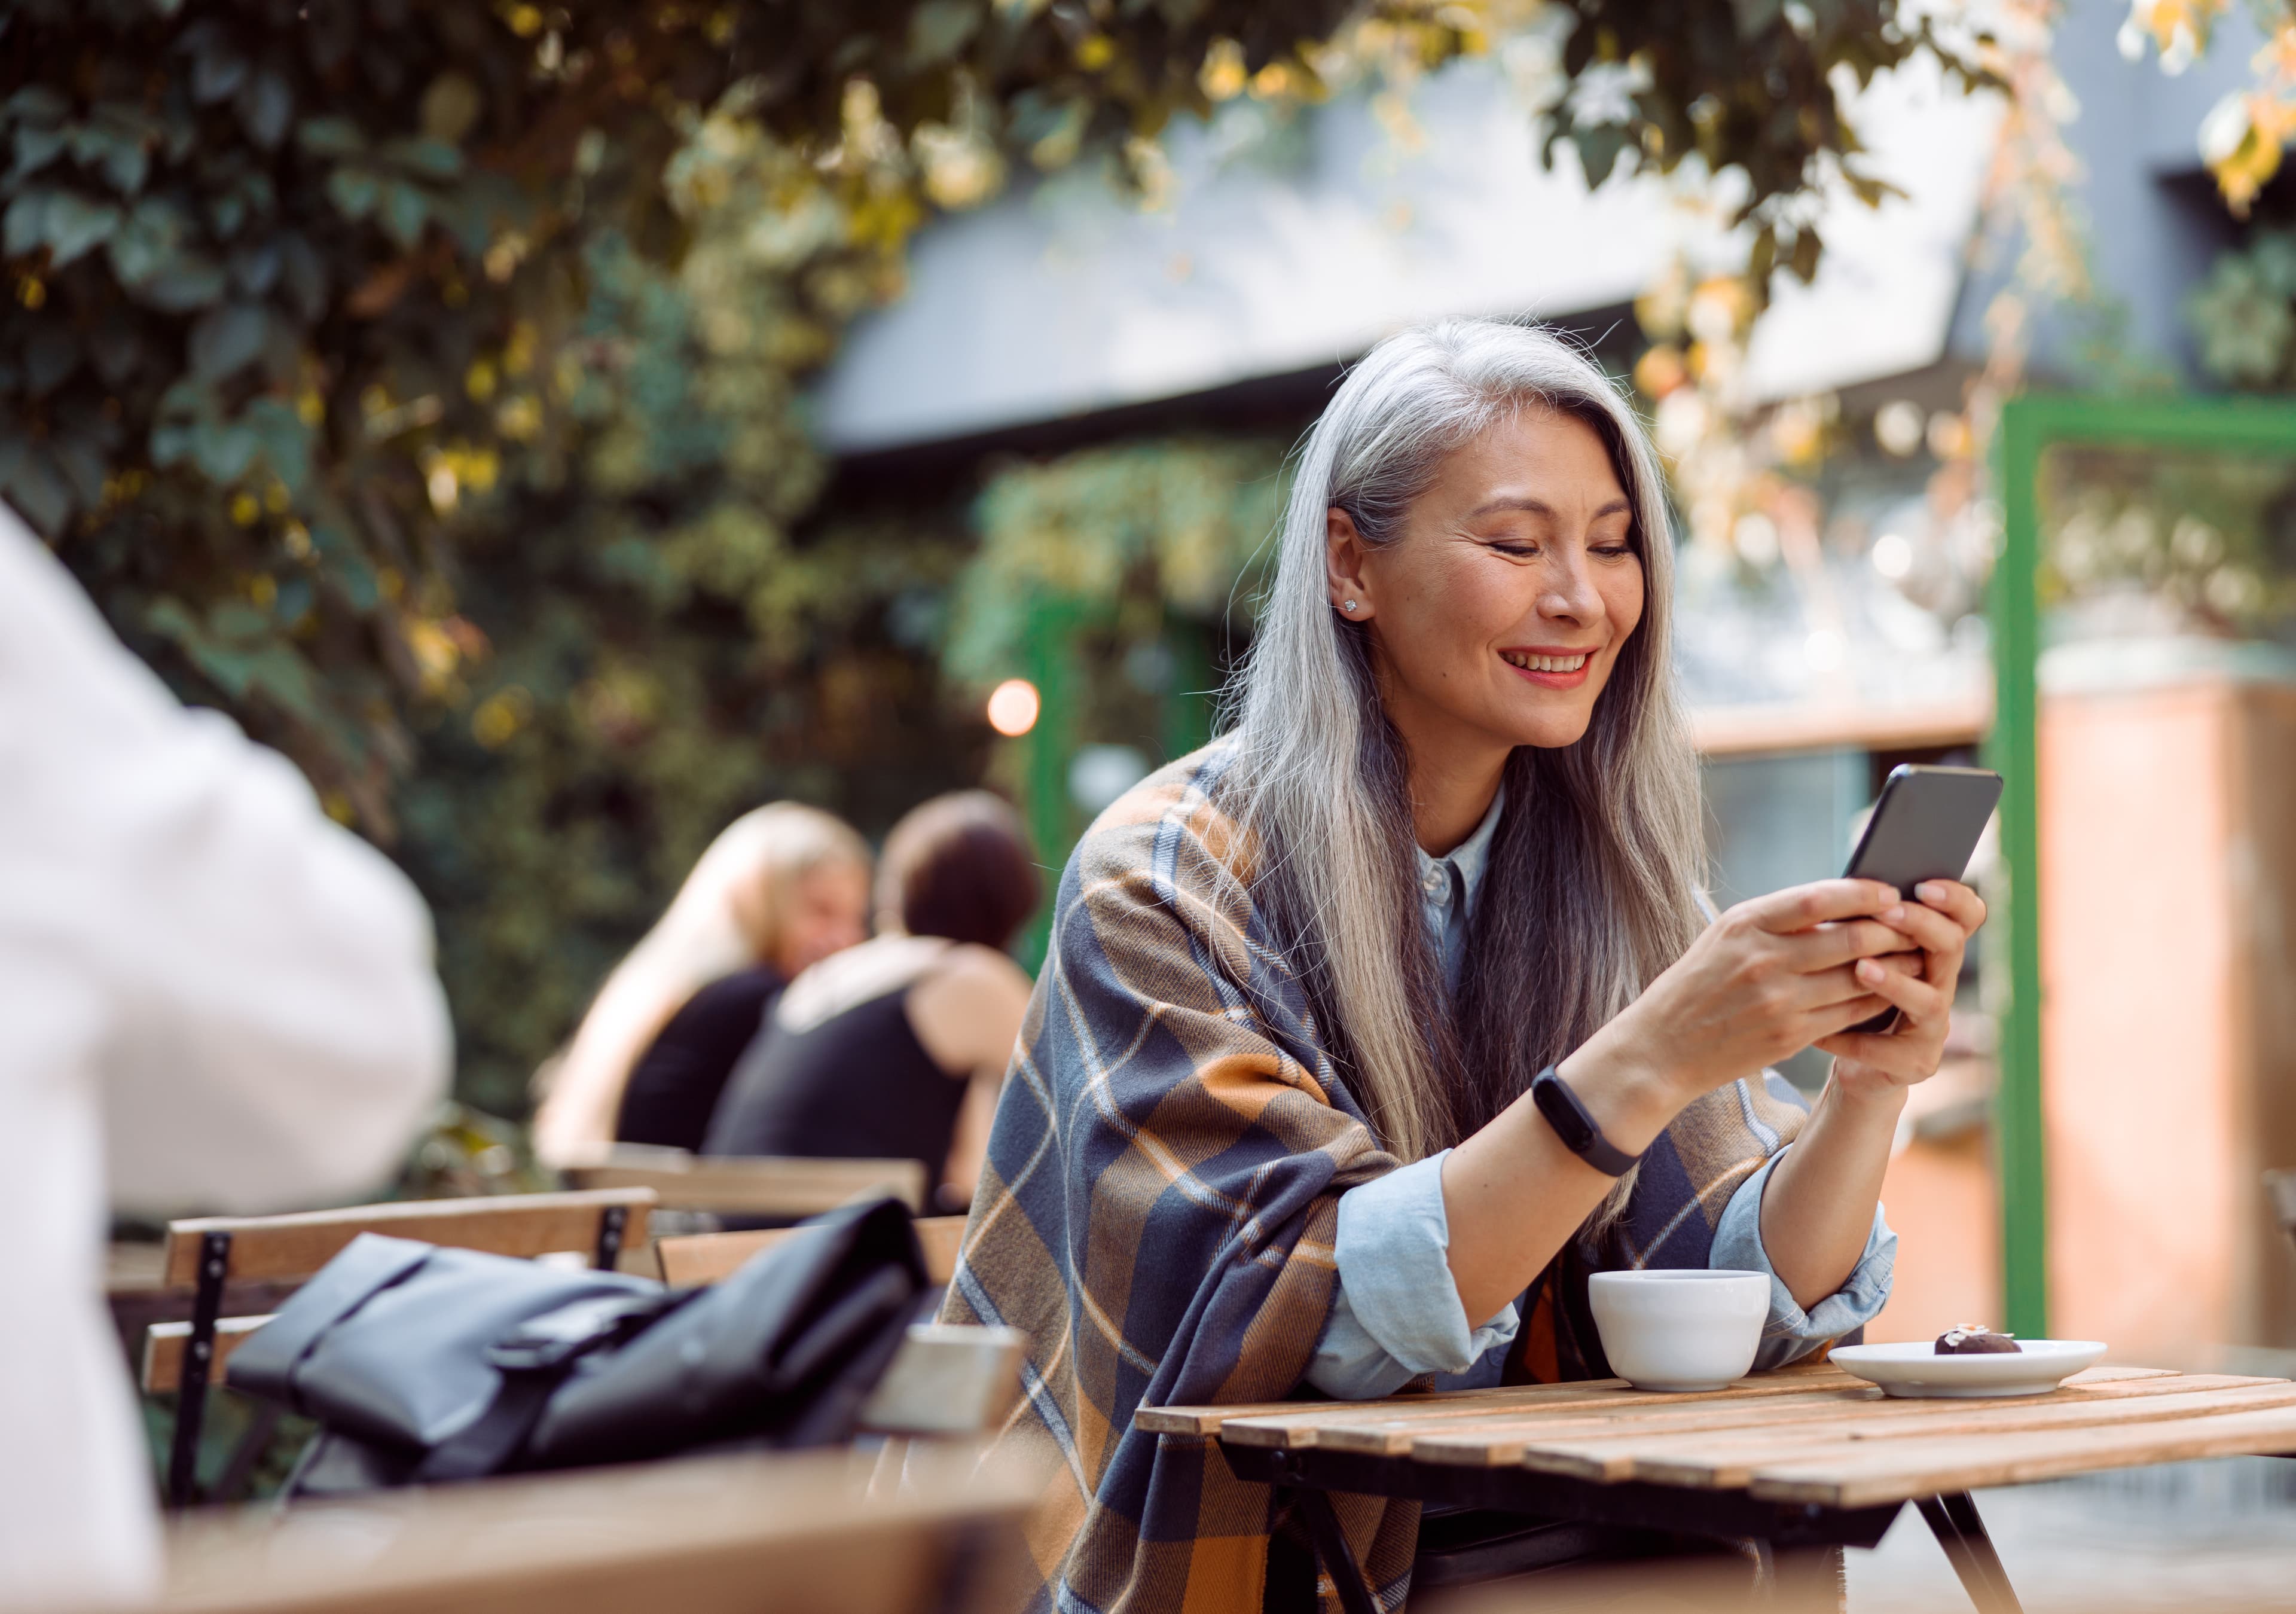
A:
(1894, 1470)
(1597, 1414)
(1210, 1420)
(1438, 1404)
(1727, 1460)
(1302, 1424)
(1499, 1443)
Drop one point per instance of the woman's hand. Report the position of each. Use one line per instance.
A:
(1768, 979)
(1941, 919)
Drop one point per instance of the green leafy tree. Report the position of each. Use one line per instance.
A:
(422, 380)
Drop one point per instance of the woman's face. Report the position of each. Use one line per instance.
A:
(828, 912)
(1498, 614)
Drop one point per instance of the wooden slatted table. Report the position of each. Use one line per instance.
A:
(1806, 1458)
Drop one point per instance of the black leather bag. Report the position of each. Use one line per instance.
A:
(424, 1364)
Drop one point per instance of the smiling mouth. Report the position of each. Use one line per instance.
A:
(1546, 664)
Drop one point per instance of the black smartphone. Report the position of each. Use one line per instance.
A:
(1925, 827)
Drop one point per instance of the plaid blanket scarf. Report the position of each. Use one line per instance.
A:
(1160, 1204)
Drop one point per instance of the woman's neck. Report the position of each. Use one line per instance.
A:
(1450, 793)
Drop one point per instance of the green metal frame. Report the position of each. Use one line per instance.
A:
(2029, 427)
(1046, 751)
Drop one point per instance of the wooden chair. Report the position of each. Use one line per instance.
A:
(702, 1258)
(786, 1534)
(206, 1254)
(947, 1380)
(782, 1189)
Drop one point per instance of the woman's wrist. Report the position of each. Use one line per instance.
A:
(1877, 1101)
(1631, 1095)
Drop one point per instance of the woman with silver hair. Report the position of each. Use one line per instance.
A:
(1371, 1031)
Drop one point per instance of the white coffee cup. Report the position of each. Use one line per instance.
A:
(1680, 1330)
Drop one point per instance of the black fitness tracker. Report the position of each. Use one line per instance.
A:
(1576, 1128)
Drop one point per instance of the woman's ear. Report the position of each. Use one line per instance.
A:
(1344, 553)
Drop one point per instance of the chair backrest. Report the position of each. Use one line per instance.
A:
(293, 1246)
(702, 1536)
(784, 1187)
(710, 1257)
(597, 1225)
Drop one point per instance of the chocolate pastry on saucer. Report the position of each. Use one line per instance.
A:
(1973, 1339)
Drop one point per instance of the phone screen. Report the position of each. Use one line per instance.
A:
(1926, 826)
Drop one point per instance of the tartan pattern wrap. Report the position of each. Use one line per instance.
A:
(1160, 1199)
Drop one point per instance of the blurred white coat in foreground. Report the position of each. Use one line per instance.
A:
(211, 996)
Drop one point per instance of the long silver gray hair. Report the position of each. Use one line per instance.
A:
(1590, 891)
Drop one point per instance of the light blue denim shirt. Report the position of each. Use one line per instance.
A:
(1396, 1315)
(1448, 887)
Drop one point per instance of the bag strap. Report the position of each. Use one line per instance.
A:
(534, 1360)
(482, 1447)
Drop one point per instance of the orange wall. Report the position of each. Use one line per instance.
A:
(2167, 853)
(1941, 1201)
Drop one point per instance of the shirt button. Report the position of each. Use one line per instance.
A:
(1432, 883)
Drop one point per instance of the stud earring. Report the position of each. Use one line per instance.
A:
(1350, 605)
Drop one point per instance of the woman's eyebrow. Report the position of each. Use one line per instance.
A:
(1539, 507)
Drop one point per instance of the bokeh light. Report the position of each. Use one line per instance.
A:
(1893, 555)
(1013, 707)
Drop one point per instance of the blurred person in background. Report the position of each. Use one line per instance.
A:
(896, 1049)
(782, 888)
(213, 997)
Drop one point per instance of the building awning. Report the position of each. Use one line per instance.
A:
(1284, 250)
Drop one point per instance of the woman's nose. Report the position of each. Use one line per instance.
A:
(1570, 596)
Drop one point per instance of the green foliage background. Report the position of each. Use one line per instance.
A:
(421, 381)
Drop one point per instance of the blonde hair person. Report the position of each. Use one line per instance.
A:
(1369, 1033)
(784, 885)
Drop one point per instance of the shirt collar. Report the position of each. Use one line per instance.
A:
(1470, 858)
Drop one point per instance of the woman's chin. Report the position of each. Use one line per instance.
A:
(1549, 731)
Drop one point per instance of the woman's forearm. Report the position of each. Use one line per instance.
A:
(1513, 1192)
(1818, 1209)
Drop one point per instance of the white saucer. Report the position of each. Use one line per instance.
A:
(2035, 1368)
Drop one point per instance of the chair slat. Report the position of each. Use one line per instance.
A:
(948, 1378)
(701, 1258)
(164, 1346)
(297, 1245)
(752, 1186)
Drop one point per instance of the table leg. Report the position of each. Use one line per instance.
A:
(1953, 1519)
(1331, 1551)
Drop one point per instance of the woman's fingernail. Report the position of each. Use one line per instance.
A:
(1890, 916)
(1869, 971)
(1928, 890)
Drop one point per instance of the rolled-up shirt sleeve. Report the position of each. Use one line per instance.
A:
(1792, 1333)
(1396, 1315)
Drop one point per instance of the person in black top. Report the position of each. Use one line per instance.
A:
(897, 1047)
(783, 887)
(674, 1086)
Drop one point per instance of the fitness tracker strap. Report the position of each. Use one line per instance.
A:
(1576, 1128)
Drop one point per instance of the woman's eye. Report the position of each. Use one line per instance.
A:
(1520, 551)
(1612, 552)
